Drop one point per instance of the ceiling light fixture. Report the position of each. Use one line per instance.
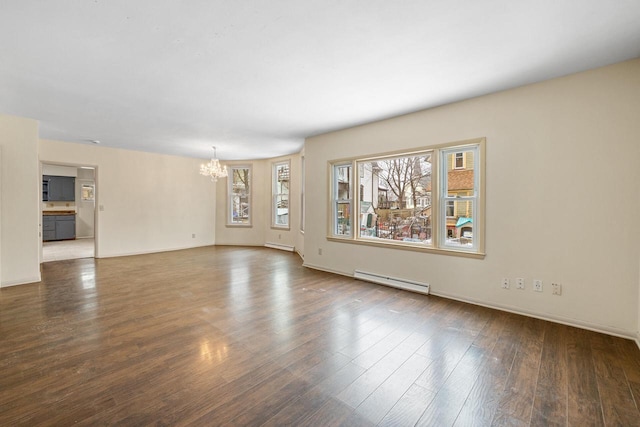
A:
(213, 168)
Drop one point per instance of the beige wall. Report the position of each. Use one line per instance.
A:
(562, 198)
(150, 202)
(20, 194)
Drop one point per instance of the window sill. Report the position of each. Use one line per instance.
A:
(239, 225)
(281, 227)
(407, 247)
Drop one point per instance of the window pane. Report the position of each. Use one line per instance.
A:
(282, 209)
(239, 199)
(343, 220)
(240, 181)
(343, 179)
(342, 200)
(460, 179)
(460, 228)
(281, 194)
(282, 181)
(395, 196)
(240, 210)
(459, 198)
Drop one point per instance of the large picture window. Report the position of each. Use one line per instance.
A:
(280, 194)
(239, 192)
(426, 199)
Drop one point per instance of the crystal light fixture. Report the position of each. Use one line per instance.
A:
(213, 168)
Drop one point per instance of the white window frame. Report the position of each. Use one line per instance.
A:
(444, 197)
(341, 227)
(439, 197)
(302, 194)
(276, 195)
(230, 197)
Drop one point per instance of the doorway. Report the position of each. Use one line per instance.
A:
(58, 214)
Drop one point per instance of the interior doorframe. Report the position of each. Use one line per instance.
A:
(96, 217)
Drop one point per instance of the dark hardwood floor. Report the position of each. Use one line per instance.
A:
(247, 336)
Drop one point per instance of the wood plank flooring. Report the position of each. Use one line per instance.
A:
(247, 336)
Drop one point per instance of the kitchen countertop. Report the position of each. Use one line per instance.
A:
(58, 212)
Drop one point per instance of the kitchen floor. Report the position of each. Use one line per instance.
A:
(67, 249)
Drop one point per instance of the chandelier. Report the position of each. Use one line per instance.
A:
(213, 168)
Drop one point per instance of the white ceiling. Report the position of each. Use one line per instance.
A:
(254, 78)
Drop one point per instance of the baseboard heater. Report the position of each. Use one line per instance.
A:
(278, 246)
(381, 279)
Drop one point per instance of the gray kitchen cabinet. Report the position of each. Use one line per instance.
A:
(58, 227)
(48, 228)
(58, 188)
(65, 227)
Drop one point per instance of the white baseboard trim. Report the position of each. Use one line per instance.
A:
(634, 336)
(542, 316)
(279, 246)
(154, 251)
(24, 281)
(327, 270)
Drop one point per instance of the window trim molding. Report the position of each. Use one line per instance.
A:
(229, 206)
(302, 194)
(478, 215)
(436, 247)
(332, 199)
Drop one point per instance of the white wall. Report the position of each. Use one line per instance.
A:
(150, 202)
(20, 194)
(562, 198)
(57, 170)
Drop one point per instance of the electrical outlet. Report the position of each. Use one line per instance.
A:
(193, 236)
(520, 283)
(537, 285)
(505, 283)
(319, 251)
(556, 289)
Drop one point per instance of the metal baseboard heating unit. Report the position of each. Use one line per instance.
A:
(394, 282)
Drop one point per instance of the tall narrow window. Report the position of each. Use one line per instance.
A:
(342, 200)
(302, 201)
(280, 194)
(239, 192)
(459, 198)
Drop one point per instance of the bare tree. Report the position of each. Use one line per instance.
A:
(403, 175)
(242, 175)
